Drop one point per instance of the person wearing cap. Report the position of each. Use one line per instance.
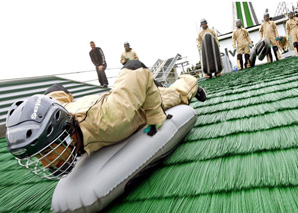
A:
(283, 44)
(244, 43)
(99, 61)
(128, 54)
(292, 30)
(205, 30)
(269, 31)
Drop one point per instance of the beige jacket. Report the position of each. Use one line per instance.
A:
(201, 35)
(131, 55)
(292, 29)
(242, 38)
(269, 31)
(133, 102)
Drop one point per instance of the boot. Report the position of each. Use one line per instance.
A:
(206, 76)
(269, 56)
(201, 94)
(276, 53)
(247, 62)
(240, 62)
(296, 47)
(218, 74)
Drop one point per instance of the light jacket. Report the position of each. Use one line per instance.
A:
(201, 35)
(292, 29)
(133, 102)
(130, 54)
(242, 38)
(269, 31)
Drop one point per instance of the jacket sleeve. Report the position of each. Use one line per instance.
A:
(261, 31)
(234, 40)
(288, 28)
(216, 38)
(274, 29)
(136, 56)
(59, 93)
(248, 37)
(102, 57)
(122, 59)
(92, 59)
(199, 41)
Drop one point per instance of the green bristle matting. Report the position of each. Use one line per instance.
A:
(241, 155)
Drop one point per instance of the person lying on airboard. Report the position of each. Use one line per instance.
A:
(48, 132)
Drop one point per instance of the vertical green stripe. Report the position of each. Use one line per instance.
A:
(247, 15)
(239, 11)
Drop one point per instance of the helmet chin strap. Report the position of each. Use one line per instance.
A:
(64, 169)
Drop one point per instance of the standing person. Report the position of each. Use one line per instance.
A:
(241, 36)
(98, 59)
(128, 54)
(292, 30)
(205, 30)
(269, 31)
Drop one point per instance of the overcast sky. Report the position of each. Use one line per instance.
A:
(41, 37)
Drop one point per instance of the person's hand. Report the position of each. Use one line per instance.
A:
(277, 38)
(100, 68)
(235, 48)
(250, 46)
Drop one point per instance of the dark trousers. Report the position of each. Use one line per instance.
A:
(102, 78)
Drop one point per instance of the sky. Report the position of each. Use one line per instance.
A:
(42, 37)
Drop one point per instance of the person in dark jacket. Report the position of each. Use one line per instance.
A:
(98, 59)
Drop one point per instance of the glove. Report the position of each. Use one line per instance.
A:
(250, 46)
(235, 48)
(150, 130)
(277, 38)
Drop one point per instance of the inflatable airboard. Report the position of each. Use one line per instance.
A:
(99, 179)
(253, 57)
(261, 49)
(211, 59)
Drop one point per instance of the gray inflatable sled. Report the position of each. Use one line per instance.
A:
(261, 49)
(211, 58)
(99, 179)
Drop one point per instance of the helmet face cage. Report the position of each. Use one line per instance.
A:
(51, 170)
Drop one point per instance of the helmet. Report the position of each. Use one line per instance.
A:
(203, 21)
(266, 14)
(126, 43)
(291, 13)
(237, 21)
(36, 128)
